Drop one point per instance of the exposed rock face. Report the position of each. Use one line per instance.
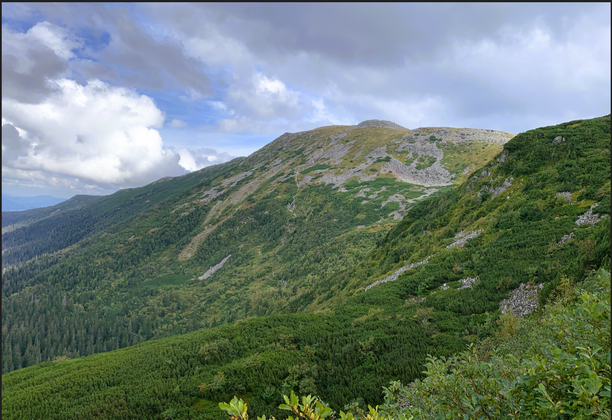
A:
(306, 180)
(214, 268)
(395, 275)
(567, 195)
(521, 301)
(588, 217)
(378, 152)
(435, 175)
(338, 180)
(210, 195)
(230, 183)
(362, 192)
(462, 135)
(179, 207)
(565, 239)
(495, 191)
(422, 147)
(462, 237)
(467, 283)
(558, 139)
(381, 124)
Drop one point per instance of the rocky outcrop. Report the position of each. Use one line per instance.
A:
(232, 182)
(435, 175)
(338, 180)
(589, 217)
(463, 135)
(495, 191)
(415, 299)
(567, 195)
(305, 181)
(396, 274)
(380, 124)
(467, 283)
(379, 152)
(214, 268)
(462, 237)
(565, 238)
(521, 301)
(210, 195)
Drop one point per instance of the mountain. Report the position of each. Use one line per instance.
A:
(17, 203)
(322, 286)
(258, 235)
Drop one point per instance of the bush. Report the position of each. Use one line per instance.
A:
(558, 367)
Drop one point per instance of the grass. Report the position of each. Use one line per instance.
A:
(315, 168)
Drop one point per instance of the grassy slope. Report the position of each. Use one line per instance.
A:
(359, 339)
(119, 274)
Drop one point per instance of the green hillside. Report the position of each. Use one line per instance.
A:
(377, 296)
(255, 236)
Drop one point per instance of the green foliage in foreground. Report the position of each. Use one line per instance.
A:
(555, 366)
(552, 366)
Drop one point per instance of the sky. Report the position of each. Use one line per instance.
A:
(99, 97)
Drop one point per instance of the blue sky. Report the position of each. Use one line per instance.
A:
(98, 97)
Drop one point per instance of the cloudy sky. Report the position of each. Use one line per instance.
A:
(98, 97)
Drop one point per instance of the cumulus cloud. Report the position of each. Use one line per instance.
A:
(29, 59)
(102, 133)
(264, 98)
(196, 159)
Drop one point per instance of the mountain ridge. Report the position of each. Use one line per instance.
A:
(285, 214)
(292, 297)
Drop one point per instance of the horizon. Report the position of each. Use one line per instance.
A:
(102, 97)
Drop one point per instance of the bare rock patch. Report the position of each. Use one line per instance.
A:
(521, 301)
(214, 268)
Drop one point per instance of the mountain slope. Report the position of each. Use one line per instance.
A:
(438, 280)
(251, 237)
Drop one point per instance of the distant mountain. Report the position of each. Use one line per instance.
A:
(17, 203)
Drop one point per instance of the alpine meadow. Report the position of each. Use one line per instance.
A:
(362, 271)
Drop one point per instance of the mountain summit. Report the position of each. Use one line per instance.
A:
(380, 124)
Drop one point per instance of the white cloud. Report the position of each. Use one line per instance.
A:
(56, 38)
(42, 35)
(218, 105)
(263, 98)
(187, 161)
(322, 115)
(98, 132)
(177, 123)
(196, 159)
